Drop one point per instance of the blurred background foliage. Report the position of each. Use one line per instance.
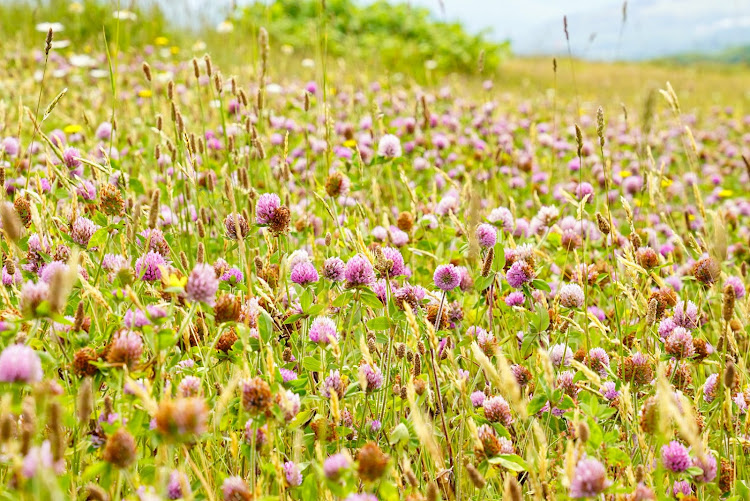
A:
(393, 36)
(84, 21)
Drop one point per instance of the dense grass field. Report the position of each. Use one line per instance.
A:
(234, 270)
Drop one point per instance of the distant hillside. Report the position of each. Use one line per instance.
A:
(652, 29)
(734, 55)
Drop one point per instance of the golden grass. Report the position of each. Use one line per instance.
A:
(698, 86)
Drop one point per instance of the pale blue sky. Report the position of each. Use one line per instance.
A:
(653, 27)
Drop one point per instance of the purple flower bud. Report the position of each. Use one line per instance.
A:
(486, 235)
(446, 277)
(202, 284)
(20, 364)
(304, 273)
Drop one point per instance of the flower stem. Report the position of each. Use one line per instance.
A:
(438, 395)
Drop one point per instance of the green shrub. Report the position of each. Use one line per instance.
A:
(394, 35)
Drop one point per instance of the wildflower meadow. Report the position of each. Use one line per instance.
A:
(242, 268)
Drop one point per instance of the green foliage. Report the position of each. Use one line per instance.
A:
(388, 35)
(83, 22)
(393, 35)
